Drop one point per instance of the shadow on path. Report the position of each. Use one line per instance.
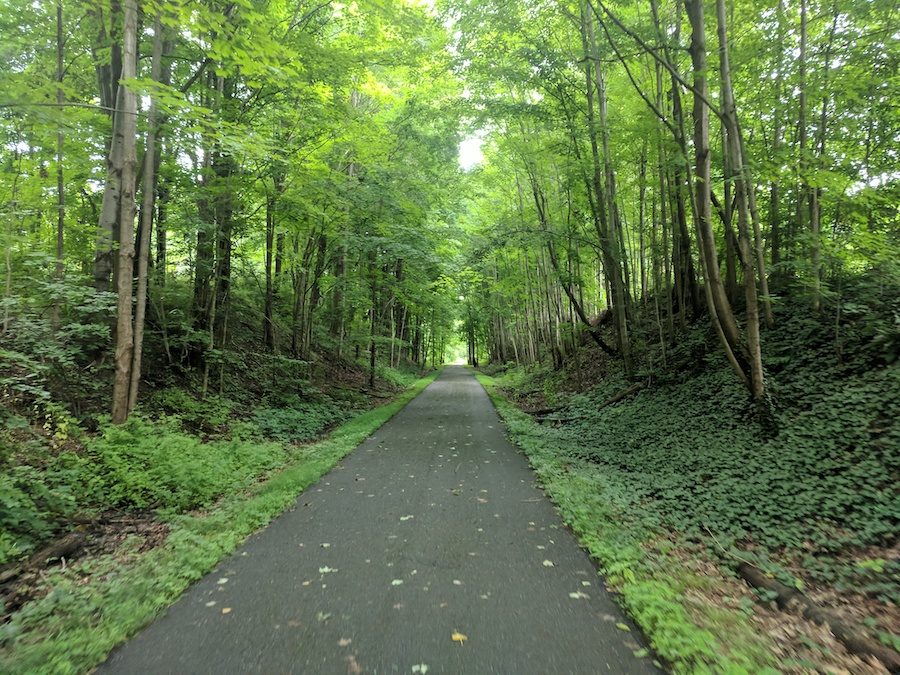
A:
(431, 530)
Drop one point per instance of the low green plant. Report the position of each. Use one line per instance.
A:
(145, 464)
(73, 627)
(208, 415)
(38, 488)
(654, 585)
(395, 377)
(298, 420)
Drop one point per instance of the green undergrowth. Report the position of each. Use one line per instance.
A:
(177, 452)
(815, 481)
(806, 492)
(76, 624)
(655, 587)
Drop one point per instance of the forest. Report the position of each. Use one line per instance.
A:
(236, 234)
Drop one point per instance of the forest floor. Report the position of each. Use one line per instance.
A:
(699, 483)
(123, 534)
(102, 526)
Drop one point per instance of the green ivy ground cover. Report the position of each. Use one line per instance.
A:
(73, 627)
(685, 459)
(654, 587)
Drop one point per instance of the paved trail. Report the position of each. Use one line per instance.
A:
(432, 527)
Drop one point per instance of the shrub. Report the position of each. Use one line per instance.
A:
(302, 421)
(146, 465)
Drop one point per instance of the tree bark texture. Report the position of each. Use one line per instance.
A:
(128, 126)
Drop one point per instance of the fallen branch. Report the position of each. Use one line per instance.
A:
(561, 420)
(541, 412)
(61, 548)
(792, 600)
(618, 397)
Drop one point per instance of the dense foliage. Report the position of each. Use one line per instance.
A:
(216, 216)
(680, 471)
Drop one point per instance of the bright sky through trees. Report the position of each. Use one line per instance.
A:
(470, 152)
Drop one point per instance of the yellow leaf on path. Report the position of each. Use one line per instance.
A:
(225, 610)
(459, 637)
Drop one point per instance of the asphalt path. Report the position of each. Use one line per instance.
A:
(429, 549)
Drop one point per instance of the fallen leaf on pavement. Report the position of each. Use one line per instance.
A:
(623, 626)
(459, 637)
(226, 610)
(343, 642)
(549, 563)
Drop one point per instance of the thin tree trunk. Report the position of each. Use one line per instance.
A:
(128, 126)
(720, 310)
(268, 302)
(803, 188)
(642, 198)
(738, 171)
(60, 176)
(373, 316)
(607, 232)
(775, 232)
(815, 192)
(147, 209)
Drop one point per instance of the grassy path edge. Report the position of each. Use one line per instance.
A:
(77, 624)
(654, 586)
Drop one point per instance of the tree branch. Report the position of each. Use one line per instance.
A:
(652, 52)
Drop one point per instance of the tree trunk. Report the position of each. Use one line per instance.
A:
(108, 77)
(802, 132)
(606, 231)
(717, 301)
(775, 232)
(268, 302)
(373, 320)
(128, 127)
(738, 171)
(147, 209)
(60, 176)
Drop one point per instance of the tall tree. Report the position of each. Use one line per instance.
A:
(127, 129)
